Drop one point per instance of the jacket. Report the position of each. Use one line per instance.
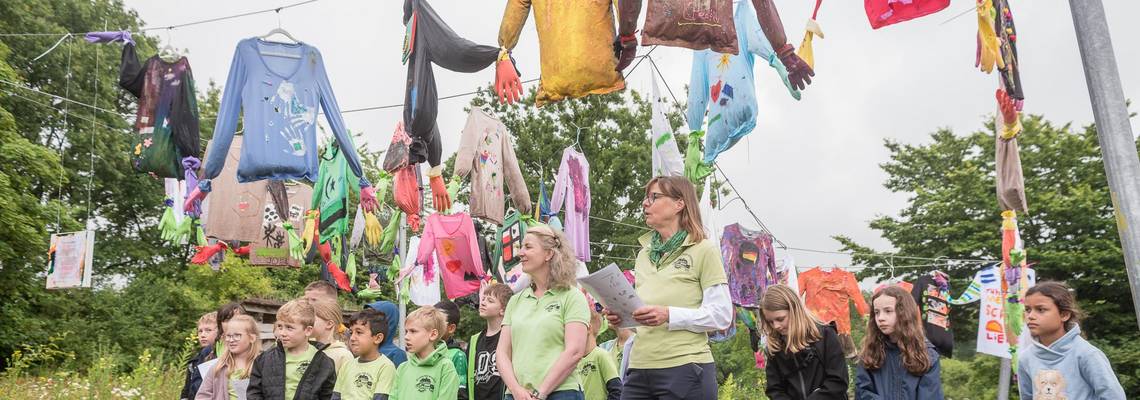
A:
(217, 387)
(387, 348)
(431, 378)
(1070, 367)
(267, 378)
(193, 377)
(893, 381)
(817, 372)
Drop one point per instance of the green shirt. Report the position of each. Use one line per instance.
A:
(295, 367)
(359, 380)
(594, 370)
(235, 376)
(540, 335)
(432, 378)
(679, 280)
(459, 359)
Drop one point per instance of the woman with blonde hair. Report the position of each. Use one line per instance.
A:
(805, 359)
(545, 324)
(681, 279)
(230, 376)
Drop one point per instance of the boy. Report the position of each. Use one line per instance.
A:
(320, 290)
(388, 348)
(454, 348)
(370, 376)
(596, 370)
(427, 374)
(207, 334)
(486, 384)
(295, 368)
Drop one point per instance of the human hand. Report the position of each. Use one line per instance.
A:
(613, 318)
(651, 315)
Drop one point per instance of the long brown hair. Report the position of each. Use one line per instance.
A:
(250, 328)
(802, 325)
(563, 265)
(908, 335)
(679, 187)
(1063, 297)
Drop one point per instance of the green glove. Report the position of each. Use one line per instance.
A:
(695, 169)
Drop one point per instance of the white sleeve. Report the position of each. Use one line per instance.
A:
(714, 314)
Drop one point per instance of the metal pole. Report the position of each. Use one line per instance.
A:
(1117, 145)
(1004, 378)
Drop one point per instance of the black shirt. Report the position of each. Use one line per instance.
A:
(488, 383)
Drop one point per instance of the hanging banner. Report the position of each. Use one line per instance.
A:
(69, 260)
(992, 336)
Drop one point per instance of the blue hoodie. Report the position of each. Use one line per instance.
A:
(387, 348)
(1070, 367)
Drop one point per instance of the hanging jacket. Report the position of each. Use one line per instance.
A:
(881, 13)
(572, 188)
(818, 372)
(487, 153)
(452, 239)
(431, 378)
(278, 99)
(1070, 367)
(387, 347)
(749, 262)
(167, 123)
(431, 41)
(826, 295)
(932, 294)
(893, 382)
(267, 376)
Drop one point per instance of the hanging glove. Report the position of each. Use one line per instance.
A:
(310, 234)
(167, 225)
(989, 46)
(805, 52)
(296, 247)
(182, 234)
(625, 49)
(199, 233)
(193, 203)
(507, 83)
(242, 251)
(368, 199)
(339, 276)
(440, 199)
(350, 270)
(799, 72)
(206, 252)
(783, 71)
(388, 241)
(453, 187)
(1010, 120)
(372, 229)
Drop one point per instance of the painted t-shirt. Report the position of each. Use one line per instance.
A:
(749, 262)
(452, 239)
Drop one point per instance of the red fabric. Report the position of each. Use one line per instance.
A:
(408, 195)
(827, 294)
(205, 252)
(242, 251)
(888, 12)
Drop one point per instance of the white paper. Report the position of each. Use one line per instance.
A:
(609, 287)
(70, 263)
(207, 367)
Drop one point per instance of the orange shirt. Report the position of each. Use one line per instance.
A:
(827, 294)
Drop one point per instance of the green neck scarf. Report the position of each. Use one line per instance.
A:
(658, 249)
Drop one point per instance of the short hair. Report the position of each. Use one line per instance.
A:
(375, 320)
(323, 287)
(328, 311)
(209, 318)
(450, 309)
(501, 291)
(297, 311)
(430, 318)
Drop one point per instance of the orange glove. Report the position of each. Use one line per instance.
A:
(440, 199)
(507, 83)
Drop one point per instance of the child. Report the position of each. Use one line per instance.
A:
(427, 374)
(295, 368)
(320, 290)
(804, 355)
(617, 347)
(326, 325)
(1058, 362)
(207, 335)
(230, 377)
(370, 376)
(486, 384)
(388, 348)
(454, 348)
(897, 361)
(225, 312)
(596, 371)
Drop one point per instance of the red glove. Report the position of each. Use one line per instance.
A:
(625, 49)
(1007, 106)
(193, 202)
(368, 199)
(440, 199)
(799, 73)
(507, 83)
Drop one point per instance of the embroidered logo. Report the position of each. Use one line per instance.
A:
(363, 380)
(425, 384)
(553, 307)
(683, 262)
(587, 369)
(302, 367)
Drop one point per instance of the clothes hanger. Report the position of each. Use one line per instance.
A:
(283, 32)
(168, 53)
(577, 135)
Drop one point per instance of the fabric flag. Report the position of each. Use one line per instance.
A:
(993, 338)
(667, 160)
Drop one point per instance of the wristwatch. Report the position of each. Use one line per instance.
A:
(538, 396)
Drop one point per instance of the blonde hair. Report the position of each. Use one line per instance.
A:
(429, 318)
(679, 188)
(328, 311)
(227, 358)
(297, 311)
(563, 265)
(208, 318)
(802, 325)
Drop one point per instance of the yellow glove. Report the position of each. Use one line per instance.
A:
(989, 46)
(372, 229)
(805, 52)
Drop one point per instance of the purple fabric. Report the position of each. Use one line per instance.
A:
(749, 262)
(572, 190)
(109, 36)
(191, 165)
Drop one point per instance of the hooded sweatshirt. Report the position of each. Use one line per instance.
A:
(387, 347)
(1071, 367)
(430, 378)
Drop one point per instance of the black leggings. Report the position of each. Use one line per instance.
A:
(690, 381)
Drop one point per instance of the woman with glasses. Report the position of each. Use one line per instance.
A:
(229, 377)
(681, 279)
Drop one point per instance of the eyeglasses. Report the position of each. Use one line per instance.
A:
(652, 197)
(234, 336)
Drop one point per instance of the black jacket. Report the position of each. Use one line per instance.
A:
(817, 372)
(193, 378)
(267, 378)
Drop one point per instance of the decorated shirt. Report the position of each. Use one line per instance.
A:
(827, 294)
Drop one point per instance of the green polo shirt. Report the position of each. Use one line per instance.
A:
(679, 280)
(540, 335)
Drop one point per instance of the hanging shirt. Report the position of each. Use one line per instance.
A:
(167, 123)
(487, 154)
(725, 85)
(786, 270)
(827, 294)
(330, 193)
(452, 239)
(235, 211)
(932, 293)
(667, 160)
(572, 187)
(278, 97)
(749, 262)
(423, 287)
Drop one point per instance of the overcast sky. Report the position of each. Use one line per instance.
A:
(819, 157)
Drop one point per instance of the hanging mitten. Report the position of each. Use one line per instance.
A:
(507, 84)
(439, 196)
(190, 167)
(372, 229)
(388, 241)
(989, 47)
(296, 246)
(368, 295)
(695, 169)
(393, 269)
(206, 252)
(310, 234)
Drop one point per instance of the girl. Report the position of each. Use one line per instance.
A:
(804, 355)
(224, 313)
(326, 327)
(897, 362)
(545, 324)
(230, 376)
(1058, 362)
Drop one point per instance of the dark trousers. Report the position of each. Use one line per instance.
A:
(689, 382)
(559, 395)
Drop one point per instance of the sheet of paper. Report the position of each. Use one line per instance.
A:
(609, 287)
